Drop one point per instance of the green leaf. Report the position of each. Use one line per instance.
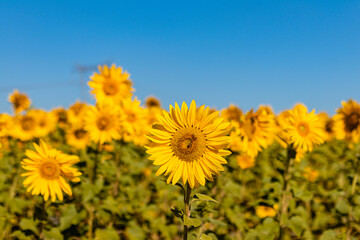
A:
(54, 233)
(20, 235)
(205, 237)
(191, 222)
(177, 212)
(342, 206)
(28, 224)
(106, 234)
(297, 225)
(328, 235)
(202, 197)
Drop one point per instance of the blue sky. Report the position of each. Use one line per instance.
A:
(216, 52)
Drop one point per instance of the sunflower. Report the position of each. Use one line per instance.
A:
(77, 137)
(282, 122)
(76, 113)
(152, 102)
(103, 123)
(347, 121)
(265, 211)
(61, 116)
(245, 161)
(45, 121)
(25, 127)
(20, 101)
(46, 171)
(135, 119)
(256, 131)
(153, 108)
(189, 144)
(232, 113)
(328, 125)
(311, 174)
(6, 123)
(111, 84)
(305, 129)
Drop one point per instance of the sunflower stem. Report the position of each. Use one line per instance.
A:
(286, 189)
(187, 194)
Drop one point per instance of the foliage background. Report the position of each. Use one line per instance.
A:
(124, 199)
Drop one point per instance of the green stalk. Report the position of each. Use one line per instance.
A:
(286, 189)
(187, 194)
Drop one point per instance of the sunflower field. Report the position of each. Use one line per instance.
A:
(120, 169)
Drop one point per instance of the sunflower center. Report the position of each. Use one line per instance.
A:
(188, 144)
(131, 117)
(27, 123)
(50, 169)
(250, 127)
(19, 101)
(79, 133)
(103, 123)
(329, 126)
(352, 121)
(303, 129)
(110, 88)
(234, 113)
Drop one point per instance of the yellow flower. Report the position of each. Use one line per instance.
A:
(311, 174)
(152, 102)
(153, 108)
(282, 122)
(45, 121)
(265, 211)
(245, 161)
(77, 137)
(328, 125)
(135, 122)
(25, 127)
(111, 84)
(256, 131)
(305, 129)
(61, 117)
(347, 121)
(46, 171)
(233, 114)
(76, 113)
(103, 123)
(19, 101)
(189, 144)
(6, 123)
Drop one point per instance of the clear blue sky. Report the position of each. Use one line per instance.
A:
(217, 52)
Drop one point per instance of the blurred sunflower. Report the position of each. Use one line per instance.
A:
(25, 127)
(152, 102)
(46, 171)
(103, 123)
(245, 161)
(305, 129)
(153, 108)
(282, 122)
(328, 124)
(189, 144)
(265, 211)
(45, 121)
(61, 116)
(77, 137)
(135, 121)
(76, 113)
(347, 121)
(311, 174)
(20, 101)
(111, 84)
(6, 123)
(257, 130)
(233, 114)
